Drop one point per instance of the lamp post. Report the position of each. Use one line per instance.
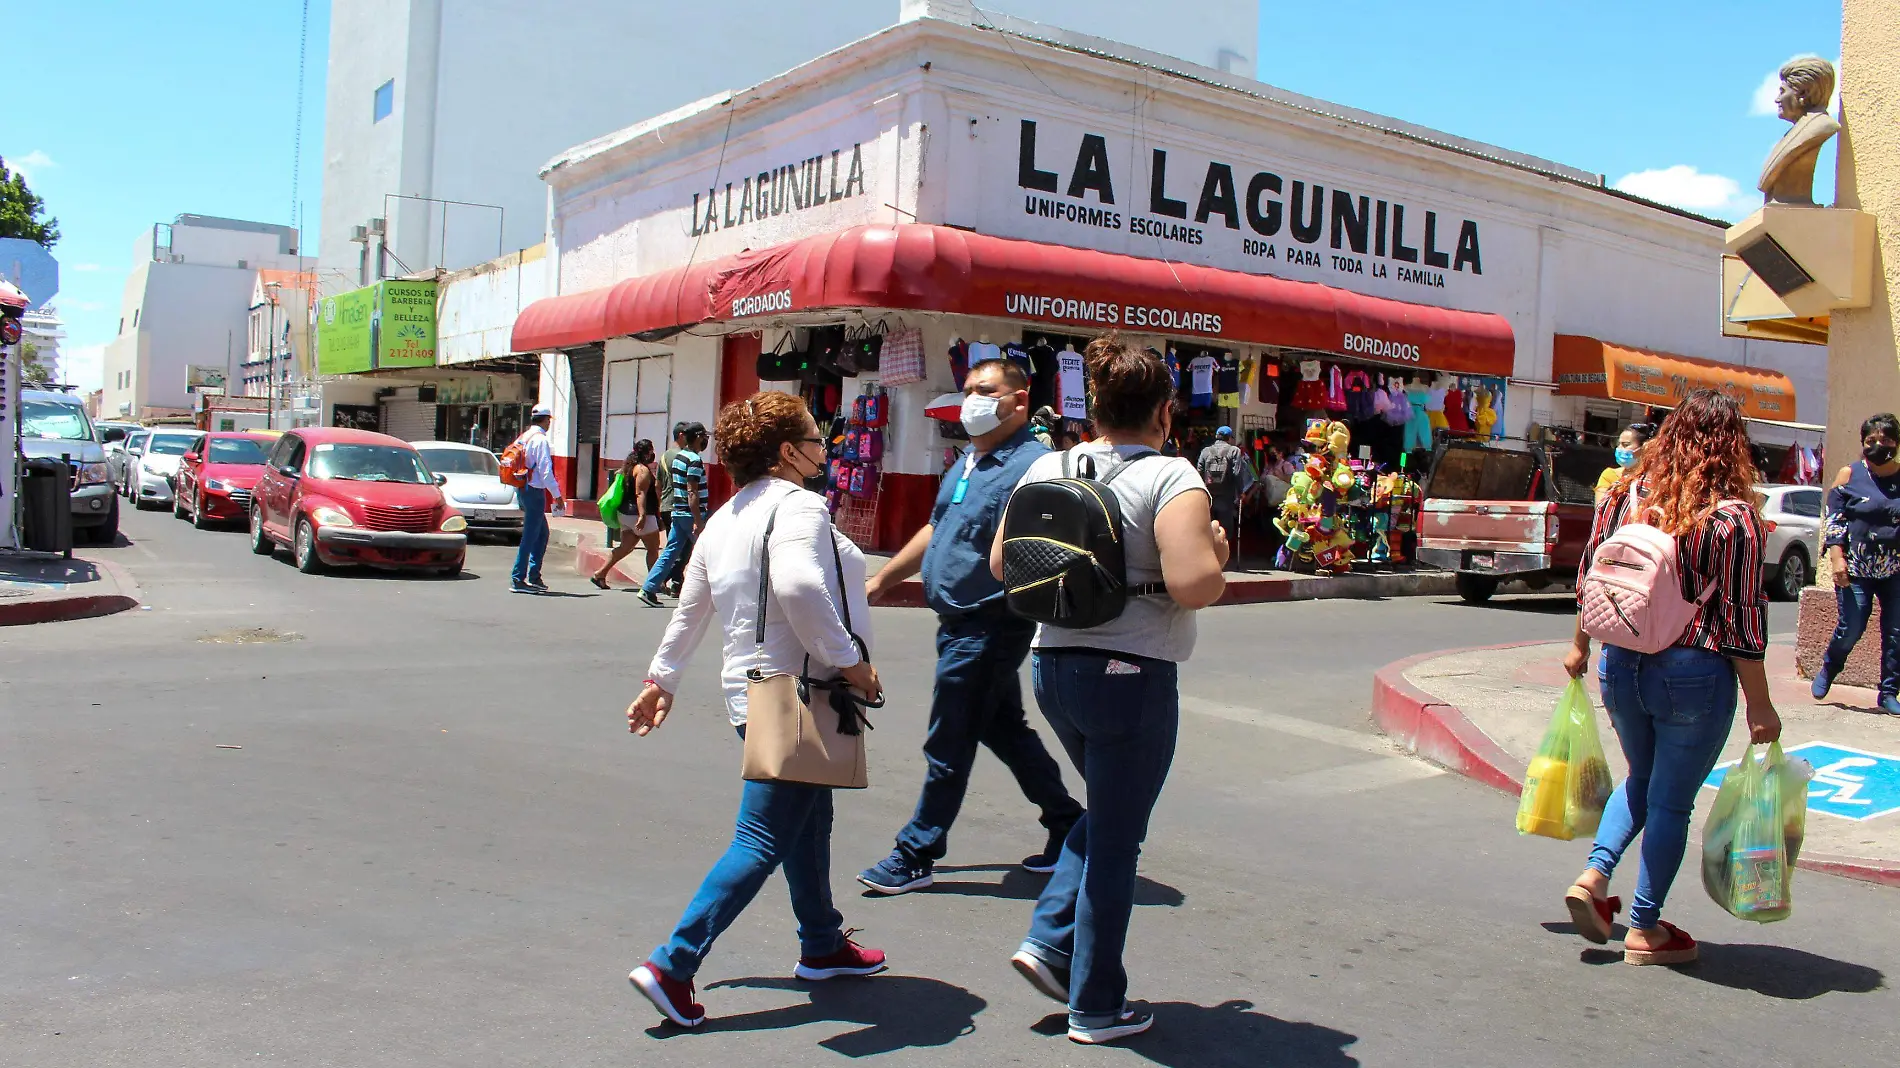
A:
(270, 354)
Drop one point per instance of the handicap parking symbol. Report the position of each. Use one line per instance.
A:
(1850, 783)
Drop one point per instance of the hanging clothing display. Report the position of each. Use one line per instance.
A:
(1487, 416)
(1227, 381)
(1335, 390)
(1435, 406)
(1359, 391)
(1456, 420)
(1309, 395)
(1045, 389)
(1400, 412)
(1201, 382)
(983, 350)
(1073, 384)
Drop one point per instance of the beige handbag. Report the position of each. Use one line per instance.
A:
(789, 737)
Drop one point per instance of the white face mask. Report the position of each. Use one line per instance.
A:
(979, 415)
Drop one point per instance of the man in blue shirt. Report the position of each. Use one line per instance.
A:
(980, 644)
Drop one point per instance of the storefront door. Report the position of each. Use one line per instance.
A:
(639, 405)
(738, 379)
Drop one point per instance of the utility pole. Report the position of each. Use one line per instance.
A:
(270, 351)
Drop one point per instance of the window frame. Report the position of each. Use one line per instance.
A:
(383, 102)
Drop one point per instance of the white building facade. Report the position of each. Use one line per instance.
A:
(187, 302)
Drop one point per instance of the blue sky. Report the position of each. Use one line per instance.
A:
(134, 112)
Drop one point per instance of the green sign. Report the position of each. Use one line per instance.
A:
(389, 324)
(407, 323)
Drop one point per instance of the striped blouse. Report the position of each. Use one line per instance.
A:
(1726, 550)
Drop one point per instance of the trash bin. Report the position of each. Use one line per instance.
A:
(46, 493)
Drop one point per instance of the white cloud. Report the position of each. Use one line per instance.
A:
(84, 305)
(1685, 187)
(84, 366)
(1763, 101)
(83, 267)
(32, 163)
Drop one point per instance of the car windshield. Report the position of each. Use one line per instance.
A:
(54, 419)
(367, 463)
(236, 451)
(169, 444)
(460, 461)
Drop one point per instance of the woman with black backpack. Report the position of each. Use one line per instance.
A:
(1110, 691)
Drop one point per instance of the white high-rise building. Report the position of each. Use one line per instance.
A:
(187, 302)
(440, 115)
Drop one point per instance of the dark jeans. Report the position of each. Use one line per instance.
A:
(1855, 604)
(672, 561)
(1119, 730)
(1672, 712)
(534, 534)
(979, 701)
(785, 824)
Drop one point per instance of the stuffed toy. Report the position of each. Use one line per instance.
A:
(1487, 416)
(1312, 516)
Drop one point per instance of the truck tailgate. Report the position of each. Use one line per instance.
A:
(1490, 526)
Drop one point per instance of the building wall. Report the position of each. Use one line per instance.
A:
(370, 43)
(476, 308)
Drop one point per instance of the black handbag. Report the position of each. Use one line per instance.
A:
(780, 365)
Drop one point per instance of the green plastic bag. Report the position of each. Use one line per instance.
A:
(1753, 835)
(609, 502)
(1569, 781)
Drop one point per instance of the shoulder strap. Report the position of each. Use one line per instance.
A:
(765, 575)
(1126, 464)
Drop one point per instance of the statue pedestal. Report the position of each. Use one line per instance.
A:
(1816, 259)
(1816, 626)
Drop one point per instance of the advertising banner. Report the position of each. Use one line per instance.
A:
(201, 378)
(344, 332)
(405, 324)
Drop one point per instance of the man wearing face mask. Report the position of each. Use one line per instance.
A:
(978, 698)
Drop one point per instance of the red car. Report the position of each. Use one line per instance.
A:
(215, 477)
(338, 496)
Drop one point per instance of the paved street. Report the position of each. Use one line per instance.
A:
(438, 845)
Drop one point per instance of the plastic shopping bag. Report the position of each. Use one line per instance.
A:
(610, 501)
(1753, 835)
(1569, 781)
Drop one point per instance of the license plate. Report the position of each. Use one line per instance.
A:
(1484, 559)
(482, 516)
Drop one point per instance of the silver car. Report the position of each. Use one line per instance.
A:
(55, 425)
(1793, 515)
(149, 477)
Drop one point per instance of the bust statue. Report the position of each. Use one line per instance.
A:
(1787, 177)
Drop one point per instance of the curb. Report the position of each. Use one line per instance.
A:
(76, 606)
(1441, 733)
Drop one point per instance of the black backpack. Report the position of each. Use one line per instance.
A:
(1063, 555)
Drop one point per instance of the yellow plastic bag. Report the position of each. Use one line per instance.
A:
(1753, 835)
(1569, 781)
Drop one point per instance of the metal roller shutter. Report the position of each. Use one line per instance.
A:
(409, 420)
(587, 366)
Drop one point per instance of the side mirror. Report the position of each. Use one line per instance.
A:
(441, 480)
(288, 471)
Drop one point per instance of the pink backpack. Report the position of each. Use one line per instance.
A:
(1632, 596)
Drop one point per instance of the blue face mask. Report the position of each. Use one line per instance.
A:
(1625, 457)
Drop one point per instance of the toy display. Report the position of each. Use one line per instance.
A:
(1396, 497)
(1312, 518)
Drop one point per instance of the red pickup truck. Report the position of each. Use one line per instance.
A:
(1494, 513)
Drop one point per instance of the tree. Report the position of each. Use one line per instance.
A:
(20, 211)
(33, 373)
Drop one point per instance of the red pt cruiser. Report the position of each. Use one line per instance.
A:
(216, 475)
(338, 496)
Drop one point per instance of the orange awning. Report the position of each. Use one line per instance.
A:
(1586, 367)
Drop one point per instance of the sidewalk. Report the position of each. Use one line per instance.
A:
(587, 539)
(46, 589)
(1482, 713)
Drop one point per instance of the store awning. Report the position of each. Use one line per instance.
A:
(1587, 367)
(940, 269)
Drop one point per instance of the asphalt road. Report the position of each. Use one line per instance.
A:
(438, 845)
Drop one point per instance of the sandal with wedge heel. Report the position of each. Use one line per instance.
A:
(1592, 916)
(1680, 949)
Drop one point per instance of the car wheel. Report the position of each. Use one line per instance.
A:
(1476, 589)
(260, 538)
(108, 532)
(1792, 575)
(178, 505)
(305, 548)
(198, 511)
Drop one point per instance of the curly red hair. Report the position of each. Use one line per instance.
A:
(1699, 458)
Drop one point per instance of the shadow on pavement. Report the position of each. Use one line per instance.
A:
(1228, 1035)
(1020, 885)
(1782, 972)
(895, 1011)
(1540, 604)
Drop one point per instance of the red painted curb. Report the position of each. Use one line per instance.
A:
(1442, 734)
(75, 606)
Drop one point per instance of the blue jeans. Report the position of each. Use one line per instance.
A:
(1672, 712)
(1119, 730)
(1855, 604)
(979, 701)
(534, 534)
(679, 547)
(779, 824)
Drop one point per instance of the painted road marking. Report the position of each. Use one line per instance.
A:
(1850, 783)
(1393, 767)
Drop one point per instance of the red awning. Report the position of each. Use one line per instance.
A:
(936, 268)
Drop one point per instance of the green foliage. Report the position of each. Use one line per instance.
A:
(33, 373)
(21, 211)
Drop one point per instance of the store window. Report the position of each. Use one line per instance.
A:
(385, 100)
(639, 405)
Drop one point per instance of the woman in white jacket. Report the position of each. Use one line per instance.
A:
(772, 450)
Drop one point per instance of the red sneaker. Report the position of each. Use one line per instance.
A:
(673, 998)
(850, 959)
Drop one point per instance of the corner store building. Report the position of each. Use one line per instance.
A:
(1023, 182)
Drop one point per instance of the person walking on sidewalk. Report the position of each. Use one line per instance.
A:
(1862, 536)
(978, 699)
(539, 497)
(639, 512)
(1229, 475)
(1629, 445)
(688, 479)
(771, 447)
(1110, 692)
(1672, 710)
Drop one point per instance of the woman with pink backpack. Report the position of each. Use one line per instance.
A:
(1674, 591)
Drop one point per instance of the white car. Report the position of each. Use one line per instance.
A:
(474, 487)
(148, 478)
(1794, 521)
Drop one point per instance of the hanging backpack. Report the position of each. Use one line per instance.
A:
(1632, 595)
(514, 465)
(1064, 561)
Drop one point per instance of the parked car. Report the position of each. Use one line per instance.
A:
(474, 486)
(338, 496)
(216, 475)
(53, 425)
(1793, 515)
(1496, 514)
(150, 476)
(119, 462)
